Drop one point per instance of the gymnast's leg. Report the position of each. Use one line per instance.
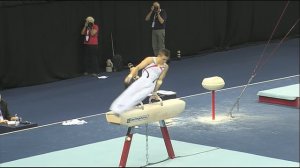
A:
(132, 96)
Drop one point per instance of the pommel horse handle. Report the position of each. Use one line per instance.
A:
(160, 100)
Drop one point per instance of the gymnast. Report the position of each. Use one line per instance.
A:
(154, 70)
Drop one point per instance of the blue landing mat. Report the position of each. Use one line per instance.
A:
(290, 92)
(107, 154)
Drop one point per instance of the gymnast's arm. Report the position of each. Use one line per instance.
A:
(134, 71)
(160, 80)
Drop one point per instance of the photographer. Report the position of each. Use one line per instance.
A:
(158, 18)
(90, 44)
(4, 113)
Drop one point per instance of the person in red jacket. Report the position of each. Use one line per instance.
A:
(90, 43)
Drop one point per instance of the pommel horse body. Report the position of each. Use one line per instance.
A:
(153, 112)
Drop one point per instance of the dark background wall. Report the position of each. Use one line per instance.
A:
(41, 42)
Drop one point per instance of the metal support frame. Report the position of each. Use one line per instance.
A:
(128, 140)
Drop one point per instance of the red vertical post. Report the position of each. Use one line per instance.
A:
(167, 140)
(126, 148)
(213, 104)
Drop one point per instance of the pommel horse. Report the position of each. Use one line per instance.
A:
(149, 113)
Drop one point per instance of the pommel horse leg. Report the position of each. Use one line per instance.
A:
(153, 112)
(126, 147)
(166, 137)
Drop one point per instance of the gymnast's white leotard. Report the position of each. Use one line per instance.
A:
(139, 89)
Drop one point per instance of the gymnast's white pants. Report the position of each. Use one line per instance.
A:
(133, 95)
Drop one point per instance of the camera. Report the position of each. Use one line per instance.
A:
(156, 9)
(89, 25)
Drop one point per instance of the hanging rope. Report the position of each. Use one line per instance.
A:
(237, 102)
(259, 63)
(280, 43)
(266, 46)
(147, 146)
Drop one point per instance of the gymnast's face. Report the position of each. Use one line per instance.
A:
(162, 59)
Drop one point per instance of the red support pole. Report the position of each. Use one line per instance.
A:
(167, 140)
(213, 104)
(126, 148)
